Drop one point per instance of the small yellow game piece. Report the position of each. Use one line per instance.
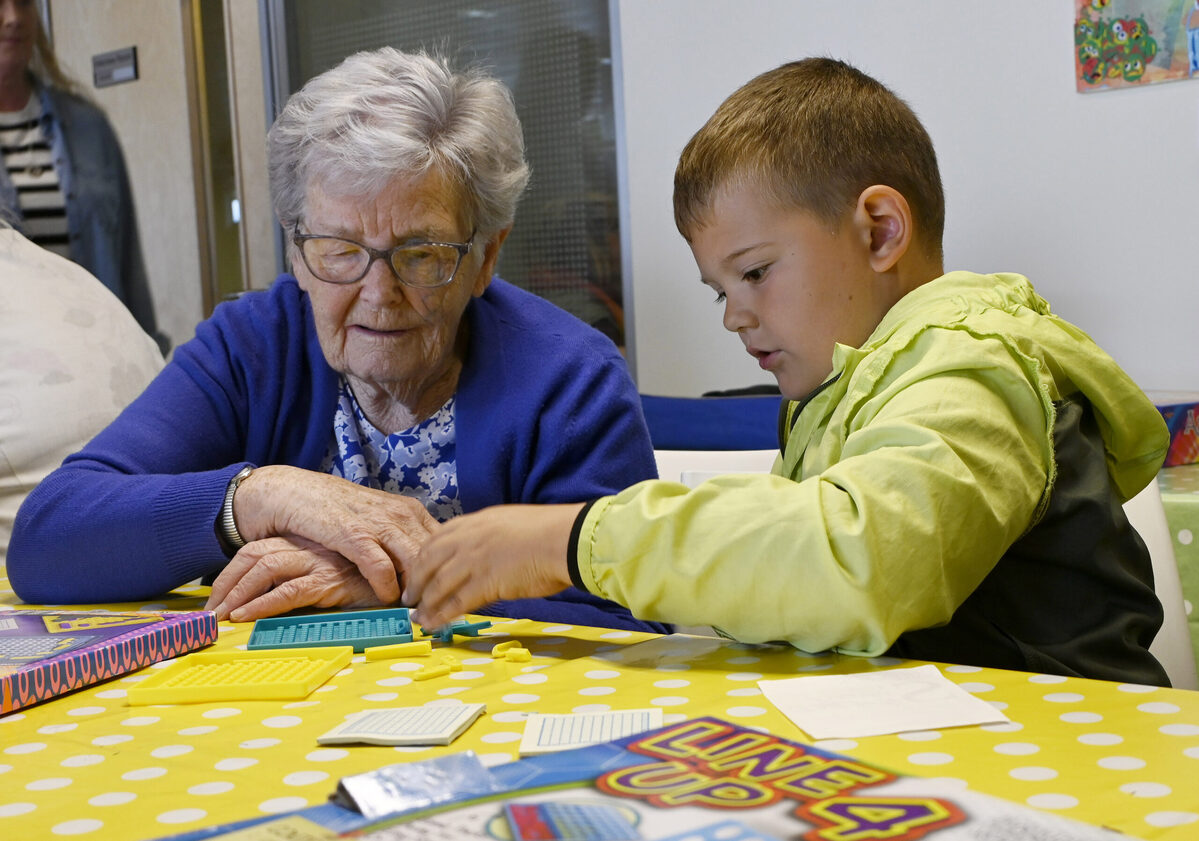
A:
(400, 649)
(430, 672)
(499, 648)
(518, 655)
(451, 661)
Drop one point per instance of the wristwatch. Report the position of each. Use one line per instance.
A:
(228, 525)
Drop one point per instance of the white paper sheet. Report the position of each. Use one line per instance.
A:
(877, 703)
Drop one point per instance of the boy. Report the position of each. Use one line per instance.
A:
(955, 457)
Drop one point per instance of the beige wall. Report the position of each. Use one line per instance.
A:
(150, 116)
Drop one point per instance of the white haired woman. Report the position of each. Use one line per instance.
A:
(310, 437)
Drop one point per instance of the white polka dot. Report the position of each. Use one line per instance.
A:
(182, 816)
(745, 712)
(597, 690)
(1185, 536)
(1064, 697)
(111, 694)
(1016, 748)
(1033, 773)
(601, 674)
(999, 705)
(742, 661)
(167, 751)
(478, 661)
(520, 698)
(672, 667)
(87, 711)
(1003, 727)
(669, 701)
(555, 629)
(885, 661)
(1081, 718)
(106, 741)
(743, 692)
(675, 684)
(112, 798)
(1180, 729)
(381, 696)
(82, 759)
(920, 736)
(4, 769)
(297, 704)
(282, 804)
(51, 729)
(9, 810)
(151, 773)
(509, 716)
(1121, 763)
(11, 718)
(407, 666)
(327, 755)
(1100, 739)
(305, 778)
(394, 681)
(77, 827)
(452, 690)
(743, 676)
(466, 674)
(141, 721)
(930, 758)
(976, 687)
(815, 667)
(49, 784)
(221, 712)
(217, 787)
(1158, 708)
(1171, 818)
(27, 747)
(1052, 801)
(254, 744)
(837, 744)
(235, 764)
(591, 708)
(616, 635)
(1136, 688)
(279, 721)
(199, 731)
(1146, 789)
(1046, 679)
(1193, 753)
(501, 737)
(530, 679)
(962, 670)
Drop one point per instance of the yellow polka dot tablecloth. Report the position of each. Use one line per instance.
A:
(1180, 497)
(88, 765)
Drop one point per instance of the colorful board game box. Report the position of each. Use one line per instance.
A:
(46, 653)
(703, 779)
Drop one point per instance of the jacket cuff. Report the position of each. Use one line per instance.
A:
(572, 547)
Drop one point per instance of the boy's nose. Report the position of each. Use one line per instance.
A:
(736, 316)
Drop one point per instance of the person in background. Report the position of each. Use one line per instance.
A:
(317, 432)
(71, 358)
(955, 455)
(64, 183)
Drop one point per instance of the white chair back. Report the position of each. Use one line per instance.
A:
(1172, 646)
(694, 466)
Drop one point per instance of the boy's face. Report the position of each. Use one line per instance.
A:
(791, 287)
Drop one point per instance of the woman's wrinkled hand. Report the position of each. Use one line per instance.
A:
(279, 574)
(378, 532)
(503, 552)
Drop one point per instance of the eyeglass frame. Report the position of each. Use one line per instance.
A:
(384, 254)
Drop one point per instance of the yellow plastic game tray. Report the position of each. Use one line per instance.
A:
(275, 675)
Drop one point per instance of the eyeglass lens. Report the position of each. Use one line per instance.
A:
(341, 261)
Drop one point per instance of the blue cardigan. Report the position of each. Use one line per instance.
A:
(545, 412)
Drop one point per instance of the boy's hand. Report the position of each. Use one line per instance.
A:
(503, 552)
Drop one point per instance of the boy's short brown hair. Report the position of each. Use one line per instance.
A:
(812, 134)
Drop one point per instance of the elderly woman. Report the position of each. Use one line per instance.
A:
(317, 432)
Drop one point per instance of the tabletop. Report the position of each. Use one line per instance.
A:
(1180, 498)
(88, 765)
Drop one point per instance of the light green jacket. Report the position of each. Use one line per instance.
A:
(904, 479)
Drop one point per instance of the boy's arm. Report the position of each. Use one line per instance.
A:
(926, 496)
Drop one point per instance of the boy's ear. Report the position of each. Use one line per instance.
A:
(885, 221)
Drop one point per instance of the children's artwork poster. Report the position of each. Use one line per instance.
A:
(1128, 43)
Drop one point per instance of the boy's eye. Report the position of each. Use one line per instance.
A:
(754, 275)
